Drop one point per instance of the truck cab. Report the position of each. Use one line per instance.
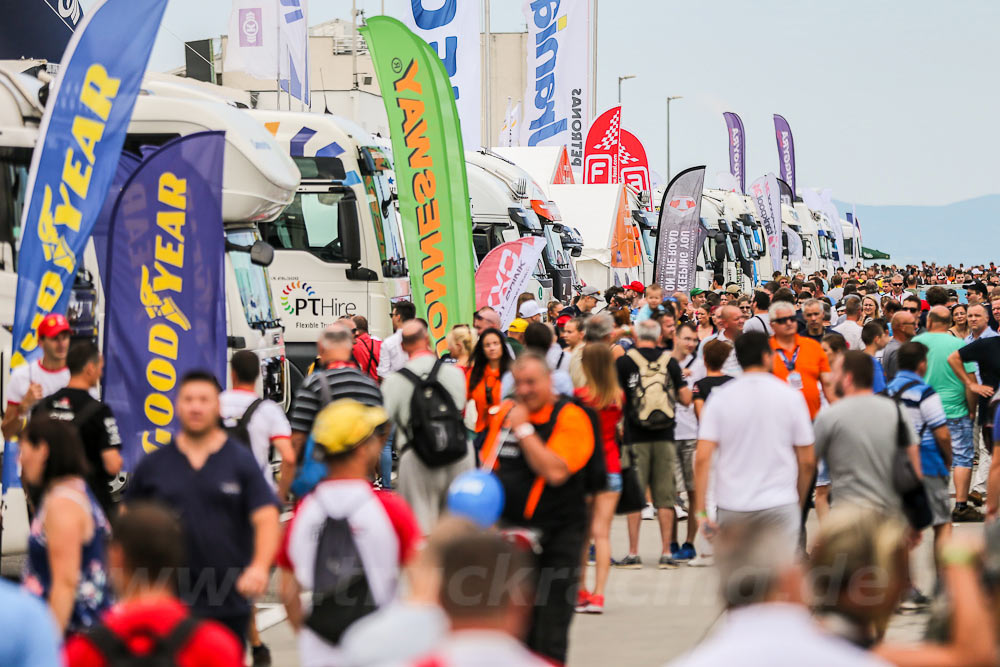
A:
(812, 252)
(339, 244)
(555, 259)
(499, 216)
(852, 245)
(719, 253)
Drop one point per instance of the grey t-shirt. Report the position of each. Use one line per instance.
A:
(890, 363)
(397, 391)
(857, 437)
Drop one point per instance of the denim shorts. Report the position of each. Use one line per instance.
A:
(614, 482)
(962, 442)
(822, 474)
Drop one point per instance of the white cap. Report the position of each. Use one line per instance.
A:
(530, 309)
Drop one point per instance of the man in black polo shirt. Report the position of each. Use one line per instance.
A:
(92, 418)
(227, 509)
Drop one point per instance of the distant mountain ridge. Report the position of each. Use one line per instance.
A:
(963, 231)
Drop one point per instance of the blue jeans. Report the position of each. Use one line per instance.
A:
(385, 462)
(962, 447)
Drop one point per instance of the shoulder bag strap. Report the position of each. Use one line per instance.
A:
(179, 636)
(324, 389)
(371, 356)
(244, 421)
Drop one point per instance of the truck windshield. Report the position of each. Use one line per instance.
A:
(554, 248)
(385, 220)
(313, 222)
(649, 243)
(255, 290)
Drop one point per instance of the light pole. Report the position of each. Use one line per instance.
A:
(620, 79)
(675, 97)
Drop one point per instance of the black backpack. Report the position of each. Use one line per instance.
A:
(239, 430)
(341, 594)
(116, 652)
(437, 427)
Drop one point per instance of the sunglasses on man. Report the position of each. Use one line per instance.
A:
(782, 320)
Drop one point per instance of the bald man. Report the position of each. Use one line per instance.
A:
(940, 375)
(731, 321)
(904, 328)
(424, 488)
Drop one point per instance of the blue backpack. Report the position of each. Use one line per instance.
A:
(312, 470)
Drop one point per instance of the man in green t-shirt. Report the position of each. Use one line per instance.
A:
(951, 389)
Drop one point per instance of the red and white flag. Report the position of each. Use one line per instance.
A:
(504, 272)
(633, 167)
(601, 153)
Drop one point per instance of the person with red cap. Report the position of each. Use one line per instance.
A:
(33, 381)
(633, 292)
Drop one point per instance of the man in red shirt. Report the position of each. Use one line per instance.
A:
(144, 556)
(349, 435)
(367, 350)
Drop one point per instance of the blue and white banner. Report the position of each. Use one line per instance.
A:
(451, 28)
(79, 142)
(766, 198)
(38, 28)
(293, 30)
(165, 313)
(557, 95)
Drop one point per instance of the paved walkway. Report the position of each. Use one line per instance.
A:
(652, 615)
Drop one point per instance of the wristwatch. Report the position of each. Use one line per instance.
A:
(524, 430)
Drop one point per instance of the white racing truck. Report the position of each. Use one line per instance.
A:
(338, 246)
(258, 182)
(532, 197)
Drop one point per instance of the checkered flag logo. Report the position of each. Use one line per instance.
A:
(612, 136)
(625, 157)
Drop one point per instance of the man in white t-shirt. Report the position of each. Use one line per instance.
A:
(850, 328)
(267, 424)
(33, 381)
(767, 620)
(761, 429)
(686, 433)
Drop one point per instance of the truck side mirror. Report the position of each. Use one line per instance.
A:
(262, 253)
(350, 234)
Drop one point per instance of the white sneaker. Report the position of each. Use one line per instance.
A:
(702, 561)
(648, 512)
(680, 512)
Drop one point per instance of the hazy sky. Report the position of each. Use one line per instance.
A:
(889, 102)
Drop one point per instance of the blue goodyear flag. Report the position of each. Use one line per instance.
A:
(165, 312)
(79, 141)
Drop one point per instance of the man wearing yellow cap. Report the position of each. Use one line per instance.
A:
(348, 437)
(515, 335)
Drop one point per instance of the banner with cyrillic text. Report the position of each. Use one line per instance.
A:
(679, 231)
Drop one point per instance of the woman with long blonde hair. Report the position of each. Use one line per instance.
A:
(601, 392)
(460, 345)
